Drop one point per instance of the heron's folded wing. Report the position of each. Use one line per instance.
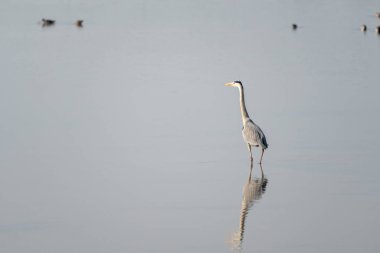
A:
(254, 135)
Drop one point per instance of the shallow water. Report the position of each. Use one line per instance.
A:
(120, 136)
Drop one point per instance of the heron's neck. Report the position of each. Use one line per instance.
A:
(243, 110)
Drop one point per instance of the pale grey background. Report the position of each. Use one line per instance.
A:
(120, 136)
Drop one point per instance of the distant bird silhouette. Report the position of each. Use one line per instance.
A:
(294, 26)
(363, 28)
(79, 23)
(47, 22)
(378, 30)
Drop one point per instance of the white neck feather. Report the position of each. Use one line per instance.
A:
(243, 110)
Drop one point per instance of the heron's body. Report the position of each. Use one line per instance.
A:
(252, 133)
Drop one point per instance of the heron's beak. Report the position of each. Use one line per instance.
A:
(228, 84)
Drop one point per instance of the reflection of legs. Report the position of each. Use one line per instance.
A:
(262, 153)
(250, 152)
(250, 171)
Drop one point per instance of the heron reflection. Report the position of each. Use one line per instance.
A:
(253, 190)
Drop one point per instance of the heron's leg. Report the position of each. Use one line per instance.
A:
(262, 153)
(250, 151)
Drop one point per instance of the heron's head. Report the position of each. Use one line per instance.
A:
(234, 84)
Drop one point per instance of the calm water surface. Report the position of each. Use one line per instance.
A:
(120, 136)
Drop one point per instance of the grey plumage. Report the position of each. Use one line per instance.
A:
(252, 133)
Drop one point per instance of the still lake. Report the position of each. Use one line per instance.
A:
(121, 137)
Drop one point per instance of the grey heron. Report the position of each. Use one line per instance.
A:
(363, 28)
(252, 134)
